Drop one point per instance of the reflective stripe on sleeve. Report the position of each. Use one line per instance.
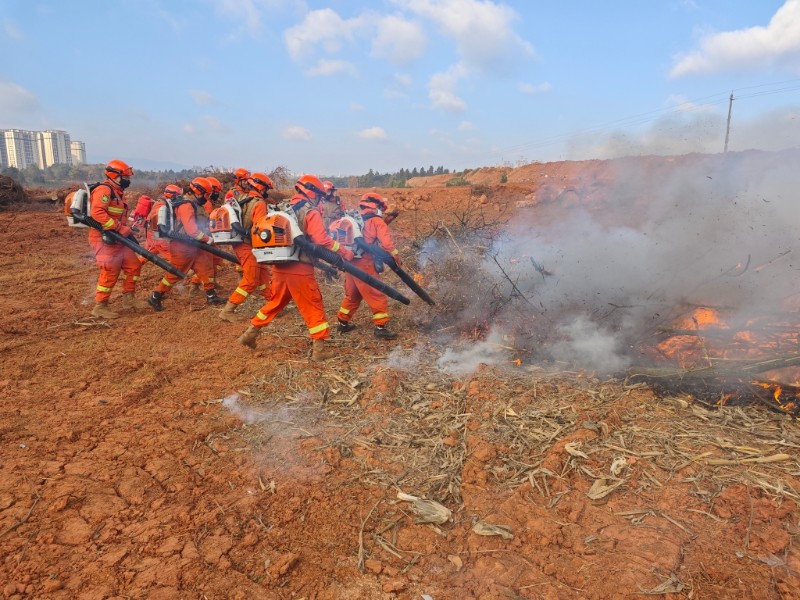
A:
(318, 328)
(109, 224)
(335, 246)
(115, 210)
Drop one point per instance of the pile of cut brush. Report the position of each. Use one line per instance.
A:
(11, 193)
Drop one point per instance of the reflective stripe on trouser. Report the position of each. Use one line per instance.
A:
(356, 290)
(182, 256)
(113, 259)
(255, 276)
(296, 282)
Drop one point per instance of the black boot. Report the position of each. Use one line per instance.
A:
(154, 300)
(214, 300)
(384, 334)
(345, 327)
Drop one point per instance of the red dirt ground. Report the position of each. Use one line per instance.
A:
(123, 474)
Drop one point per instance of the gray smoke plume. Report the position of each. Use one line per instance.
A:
(632, 255)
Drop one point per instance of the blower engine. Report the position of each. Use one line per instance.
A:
(78, 204)
(273, 237)
(347, 230)
(225, 224)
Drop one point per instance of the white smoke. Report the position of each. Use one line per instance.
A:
(492, 351)
(717, 231)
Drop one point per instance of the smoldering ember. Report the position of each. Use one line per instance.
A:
(599, 400)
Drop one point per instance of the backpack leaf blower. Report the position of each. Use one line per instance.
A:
(179, 237)
(132, 244)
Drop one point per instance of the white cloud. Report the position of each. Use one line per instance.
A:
(754, 47)
(398, 40)
(202, 98)
(297, 133)
(356, 107)
(373, 133)
(483, 31)
(442, 90)
(16, 99)
(11, 29)
(326, 67)
(529, 88)
(323, 28)
(248, 13)
(466, 126)
(399, 87)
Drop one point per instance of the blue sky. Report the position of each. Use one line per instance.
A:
(342, 87)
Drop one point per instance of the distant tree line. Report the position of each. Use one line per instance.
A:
(387, 180)
(59, 175)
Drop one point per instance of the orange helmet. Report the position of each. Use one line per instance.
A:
(240, 174)
(200, 187)
(260, 182)
(173, 191)
(118, 169)
(310, 186)
(373, 200)
(328, 187)
(216, 184)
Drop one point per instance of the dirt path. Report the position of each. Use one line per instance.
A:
(154, 457)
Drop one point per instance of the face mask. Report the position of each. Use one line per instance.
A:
(124, 182)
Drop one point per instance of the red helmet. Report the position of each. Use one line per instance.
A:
(329, 187)
(261, 183)
(200, 187)
(310, 186)
(173, 191)
(240, 174)
(216, 184)
(117, 169)
(373, 200)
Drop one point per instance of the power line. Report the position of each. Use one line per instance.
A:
(719, 98)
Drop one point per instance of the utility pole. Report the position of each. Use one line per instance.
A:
(728, 128)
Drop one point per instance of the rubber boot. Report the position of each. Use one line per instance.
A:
(384, 334)
(319, 352)
(248, 338)
(212, 299)
(228, 313)
(154, 300)
(102, 311)
(130, 302)
(345, 326)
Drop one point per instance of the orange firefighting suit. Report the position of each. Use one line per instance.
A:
(202, 225)
(295, 280)
(255, 276)
(183, 255)
(375, 232)
(108, 209)
(159, 246)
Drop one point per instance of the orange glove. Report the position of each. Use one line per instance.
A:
(346, 254)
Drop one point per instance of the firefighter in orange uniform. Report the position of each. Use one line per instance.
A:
(331, 207)
(295, 280)
(154, 241)
(255, 276)
(109, 209)
(375, 232)
(183, 255)
(206, 202)
(240, 185)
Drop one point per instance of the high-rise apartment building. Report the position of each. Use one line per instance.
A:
(20, 148)
(78, 151)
